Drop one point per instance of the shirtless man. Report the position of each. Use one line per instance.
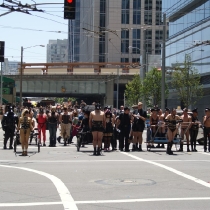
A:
(172, 120)
(97, 124)
(187, 119)
(206, 123)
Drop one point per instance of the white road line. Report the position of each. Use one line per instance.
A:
(91, 161)
(106, 201)
(66, 198)
(199, 181)
(142, 200)
(204, 153)
(29, 204)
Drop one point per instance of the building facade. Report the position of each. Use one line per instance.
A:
(57, 51)
(10, 67)
(189, 29)
(113, 31)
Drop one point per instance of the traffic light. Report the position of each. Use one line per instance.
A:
(2, 51)
(69, 9)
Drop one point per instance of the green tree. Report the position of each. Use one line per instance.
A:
(59, 100)
(186, 81)
(152, 87)
(133, 91)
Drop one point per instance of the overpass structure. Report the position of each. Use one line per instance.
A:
(87, 81)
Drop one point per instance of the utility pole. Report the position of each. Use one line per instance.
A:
(1, 84)
(143, 66)
(117, 86)
(163, 64)
(21, 76)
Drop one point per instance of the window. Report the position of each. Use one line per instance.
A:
(148, 17)
(125, 4)
(136, 33)
(135, 60)
(136, 41)
(137, 4)
(125, 17)
(136, 17)
(124, 60)
(124, 41)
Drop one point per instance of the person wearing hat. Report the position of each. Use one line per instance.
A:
(187, 120)
(194, 129)
(139, 117)
(124, 129)
(53, 123)
(206, 131)
(97, 125)
(41, 119)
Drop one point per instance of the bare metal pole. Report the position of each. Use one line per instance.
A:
(163, 64)
(1, 83)
(117, 86)
(21, 76)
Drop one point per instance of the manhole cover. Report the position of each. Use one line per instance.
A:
(126, 182)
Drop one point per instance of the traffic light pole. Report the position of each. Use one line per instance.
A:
(1, 84)
(21, 76)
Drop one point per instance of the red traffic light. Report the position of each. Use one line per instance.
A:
(70, 1)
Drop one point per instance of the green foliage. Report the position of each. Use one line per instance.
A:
(133, 92)
(61, 100)
(186, 81)
(152, 87)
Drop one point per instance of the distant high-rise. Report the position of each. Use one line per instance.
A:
(104, 29)
(10, 67)
(57, 51)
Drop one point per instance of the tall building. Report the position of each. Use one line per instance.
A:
(57, 51)
(113, 31)
(10, 67)
(189, 29)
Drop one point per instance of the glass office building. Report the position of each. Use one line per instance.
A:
(189, 33)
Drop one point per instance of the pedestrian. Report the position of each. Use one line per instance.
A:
(53, 123)
(42, 120)
(25, 126)
(124, 129)
(206, 123)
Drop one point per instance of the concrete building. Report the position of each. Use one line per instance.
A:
(57, 51)
(189, 29)
(104, 29)
(10, 67)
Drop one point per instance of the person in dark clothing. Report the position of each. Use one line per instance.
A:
(9, 123)
(53, 122)
(194, 129)
(206, 131)
(124, 129)
(138, 127)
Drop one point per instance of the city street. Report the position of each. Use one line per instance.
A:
(62, 178)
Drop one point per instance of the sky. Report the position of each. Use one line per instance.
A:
(14, 30)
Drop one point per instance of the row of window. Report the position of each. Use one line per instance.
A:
(148, 4)
(125, 17)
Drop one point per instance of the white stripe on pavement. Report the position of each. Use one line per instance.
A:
(199, 181)
(66, 198)
(29, 204)
(106, 201)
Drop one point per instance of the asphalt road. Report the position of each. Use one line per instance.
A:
(62, 178)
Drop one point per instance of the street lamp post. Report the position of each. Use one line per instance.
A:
(21, 71)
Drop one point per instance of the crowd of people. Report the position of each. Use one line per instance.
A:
(105, 127)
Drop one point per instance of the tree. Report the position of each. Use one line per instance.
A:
(133, 91)
(186, 81)
(152, 87)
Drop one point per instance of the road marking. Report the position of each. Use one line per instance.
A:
(29, 204)
(204, 153)
(142, 200)
(199, 181)
(105, 201)
(66, 198)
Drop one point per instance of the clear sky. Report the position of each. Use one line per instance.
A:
(13, 30)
